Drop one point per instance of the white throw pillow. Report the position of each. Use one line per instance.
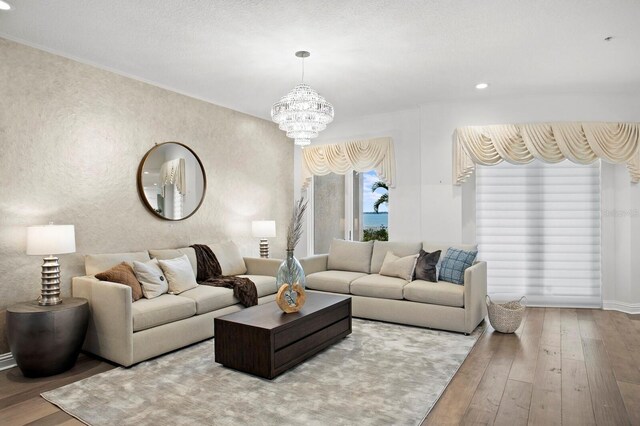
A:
(179, 273)
(401, 267)
(153, 281)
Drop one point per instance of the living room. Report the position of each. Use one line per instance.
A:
(503, 131)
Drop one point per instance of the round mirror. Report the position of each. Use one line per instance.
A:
(171, 181)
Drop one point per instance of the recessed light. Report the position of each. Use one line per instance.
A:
(482, 86)
(155, 184)
(4, 5)
(146, 173)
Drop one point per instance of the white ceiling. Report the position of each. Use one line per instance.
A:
(367, 56)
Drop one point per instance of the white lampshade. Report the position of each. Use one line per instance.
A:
(51, 239)
(263, 228)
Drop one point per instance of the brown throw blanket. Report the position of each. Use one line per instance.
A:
(210, 273)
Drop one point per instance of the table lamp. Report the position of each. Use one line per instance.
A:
(48, 240)
(263, 229)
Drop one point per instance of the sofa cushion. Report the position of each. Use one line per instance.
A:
(265, 285)
(148, 313)
(209, 298)
(165, 254)
(380, 249)
(96, 263)
(440, 293)
(229, 257)
(333, 281)
(351, 256)
(375, 285)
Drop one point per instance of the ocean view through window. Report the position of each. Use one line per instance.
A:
(375, 207)
(353, 207)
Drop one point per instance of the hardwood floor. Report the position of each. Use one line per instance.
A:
(20, 400)
(562, 366)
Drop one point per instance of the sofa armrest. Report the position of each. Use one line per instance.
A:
(110, 331)
(475, 292)
(312, 264)
(262, 266)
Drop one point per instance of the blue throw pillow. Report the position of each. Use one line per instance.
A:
(454, 264)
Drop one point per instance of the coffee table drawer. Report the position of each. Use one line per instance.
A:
(307, 346)
(290, 335)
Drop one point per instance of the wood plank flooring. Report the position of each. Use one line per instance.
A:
(562, 366)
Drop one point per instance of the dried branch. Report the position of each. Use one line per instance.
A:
(294, 232)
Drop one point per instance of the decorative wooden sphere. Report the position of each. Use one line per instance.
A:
(283, 303)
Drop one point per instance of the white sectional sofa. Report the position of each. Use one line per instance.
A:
(353, 268)
(128, 332)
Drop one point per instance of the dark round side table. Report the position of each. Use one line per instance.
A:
(46, 340)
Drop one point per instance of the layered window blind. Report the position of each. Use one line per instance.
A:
(538, 228)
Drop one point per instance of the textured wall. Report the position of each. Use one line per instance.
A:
(71, 138)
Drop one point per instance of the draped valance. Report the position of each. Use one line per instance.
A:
(581, 143)
(361, 156)
(173, 172)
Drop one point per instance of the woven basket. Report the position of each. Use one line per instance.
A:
(506, 317)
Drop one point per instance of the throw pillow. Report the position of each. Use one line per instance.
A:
(353, 256)
(454, 264)
(151, 277)
(123, 274)
(401, 267)
(427, 266)
(179, 274)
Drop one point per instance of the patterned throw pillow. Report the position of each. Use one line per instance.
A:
(427, 266)
(454, 264)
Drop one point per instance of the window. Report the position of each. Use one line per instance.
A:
(538, 228)
(344, 206)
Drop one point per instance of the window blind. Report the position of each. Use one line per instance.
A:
(538, 229)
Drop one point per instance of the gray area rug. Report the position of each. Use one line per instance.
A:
(382, 374)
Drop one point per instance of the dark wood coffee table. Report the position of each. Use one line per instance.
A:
(264, 341)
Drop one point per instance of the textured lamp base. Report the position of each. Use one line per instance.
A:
(50, 293)
(264, 248)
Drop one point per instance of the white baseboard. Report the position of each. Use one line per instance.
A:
(627, 308)
(7, 361)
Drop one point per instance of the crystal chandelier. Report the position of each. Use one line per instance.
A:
(302, 112)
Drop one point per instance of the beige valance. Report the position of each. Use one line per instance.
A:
(361, 156)
(173, 172)
(581, 143)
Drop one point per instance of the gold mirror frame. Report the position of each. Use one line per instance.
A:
(140, 184)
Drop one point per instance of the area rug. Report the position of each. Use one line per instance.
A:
(381, 374)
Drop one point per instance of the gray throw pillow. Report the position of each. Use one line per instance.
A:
(427, 266)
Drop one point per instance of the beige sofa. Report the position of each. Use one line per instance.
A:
(128, 332)
(353, 268)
